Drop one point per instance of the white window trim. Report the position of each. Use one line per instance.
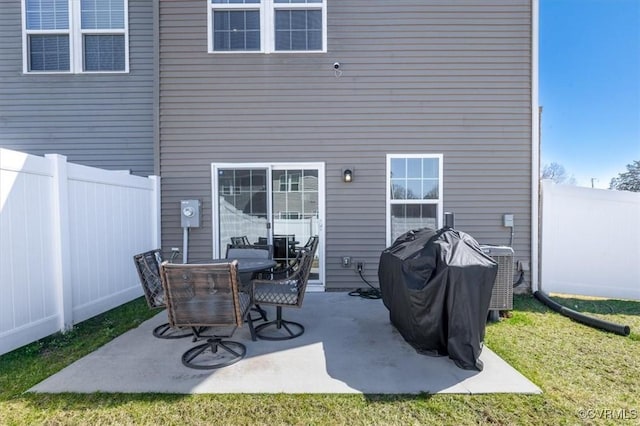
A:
(76, 40)
(267, 32)
(439, 201)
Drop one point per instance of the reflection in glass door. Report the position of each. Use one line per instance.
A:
(296, 212)
(278, 204)
(242, 207)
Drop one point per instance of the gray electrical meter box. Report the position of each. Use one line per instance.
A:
(190, 213)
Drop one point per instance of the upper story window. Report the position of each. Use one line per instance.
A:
(71, 36)
(267, 26)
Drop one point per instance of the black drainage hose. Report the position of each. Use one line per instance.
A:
(622, 330)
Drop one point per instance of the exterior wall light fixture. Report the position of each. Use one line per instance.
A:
(347, 174)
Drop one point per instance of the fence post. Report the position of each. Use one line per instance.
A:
(61, 248)
(155, 212)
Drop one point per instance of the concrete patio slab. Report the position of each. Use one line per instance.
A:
(349, 346)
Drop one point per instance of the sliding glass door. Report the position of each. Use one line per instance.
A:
(281, 204)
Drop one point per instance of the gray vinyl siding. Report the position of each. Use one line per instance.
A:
(100, 120)
(419, 76)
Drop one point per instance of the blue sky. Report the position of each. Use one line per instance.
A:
(590, 86)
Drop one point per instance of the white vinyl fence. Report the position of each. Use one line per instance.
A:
(590, 242)
(67, 236)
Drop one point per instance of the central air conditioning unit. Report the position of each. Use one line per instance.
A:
(502, 294)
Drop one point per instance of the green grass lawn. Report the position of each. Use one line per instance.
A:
(587, 377)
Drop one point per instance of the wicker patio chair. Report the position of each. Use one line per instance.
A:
(206, 295)
(148, 267)
(240, 241)
(313, 240)
(310, 246)
(284, 249)
(250, 252)
(283, 292)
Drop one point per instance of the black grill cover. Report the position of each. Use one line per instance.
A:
(437, 286)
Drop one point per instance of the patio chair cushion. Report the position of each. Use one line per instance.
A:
(278, 293)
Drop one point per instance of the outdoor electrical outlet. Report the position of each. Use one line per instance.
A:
(359, 266)
(346, 261)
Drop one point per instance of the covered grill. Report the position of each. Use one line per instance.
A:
(437, 286)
